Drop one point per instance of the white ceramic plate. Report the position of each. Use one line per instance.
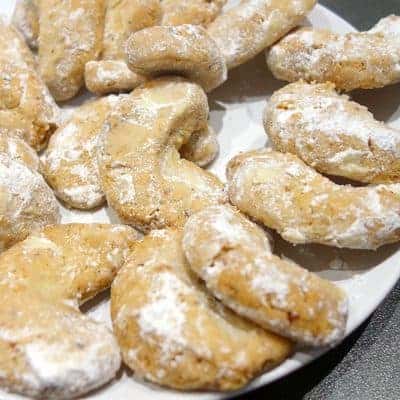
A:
(236, 114)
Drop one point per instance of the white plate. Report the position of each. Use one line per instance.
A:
(236, 110)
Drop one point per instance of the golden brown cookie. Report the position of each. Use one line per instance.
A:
(173, 333)
(71, 34)
(69, 163)
(365, 60)
(142, 174)
(229, 253)
(332, 134)
(26, 202)
(26, 20)
(253, 25)
(48, 348)
(195, 12)
(185, 50)
(285, 194)
(26, 107)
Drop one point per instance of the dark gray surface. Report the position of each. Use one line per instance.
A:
(367, 365)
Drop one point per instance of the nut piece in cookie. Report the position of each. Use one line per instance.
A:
(285, 194)
(357, 60)
(172, 332)
(185, 50)
(48, 348)
(71, 34)
(144, 178)
(231, 255)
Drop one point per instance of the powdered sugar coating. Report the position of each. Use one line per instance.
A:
(110, 76)
(363, 60)
(69, 164)
(172, 333)
(280, 191)
(233, 257)
(26, 202)
(50, 349)
(145, 180)
(18, 150)
(26, 19)
(195, 12)
(332, 134)
(253, 25)
(26, 107)
(185, 50)
(70, 35)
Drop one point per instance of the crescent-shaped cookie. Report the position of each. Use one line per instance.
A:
(332, 134)
(173, 333)
(144, 178)
(283, 193)
(48, 348)
(361, 60)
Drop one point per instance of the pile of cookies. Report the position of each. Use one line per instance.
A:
(198, 299)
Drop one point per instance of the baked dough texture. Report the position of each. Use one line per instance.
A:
(185, 50)
(202, 147)
(253, 25)
(232, 256)
(26, 107)
(26, 20)
(124, 17)
(26, 202)
(110, 76)
(71, 34)
(332, 134)
(48, 348)
(18, 150)
(362, 60)
(285, 194)
(69, 163)
(144, 178)
(195, 12)
(173, 333)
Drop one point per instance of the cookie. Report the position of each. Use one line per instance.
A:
(283, 193)
(173, 333)
(48, 348)
(69, 163)
(253, 25)
(332, 134)
(71, 34)
(229, 253)
(185, 50)
(26, 202)
(26, 107)
(144, 178)
(357, 60)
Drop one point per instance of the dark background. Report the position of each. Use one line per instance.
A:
(367, 365)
